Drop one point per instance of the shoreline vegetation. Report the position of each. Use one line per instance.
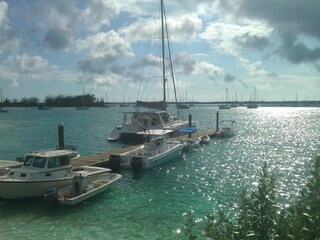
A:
(91, 101)
(259, 217)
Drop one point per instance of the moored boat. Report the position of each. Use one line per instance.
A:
(151, 154)
(82, 188)
(157, 116)
(227, 130)
(41, 171)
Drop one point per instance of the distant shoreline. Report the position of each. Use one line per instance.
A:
(237, 104)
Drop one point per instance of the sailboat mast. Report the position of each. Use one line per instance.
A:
(163, 53)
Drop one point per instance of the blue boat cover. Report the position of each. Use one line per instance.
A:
(188, 130)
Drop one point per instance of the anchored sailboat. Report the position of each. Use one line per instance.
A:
(157, 119)
(253, 104)
(2, 110)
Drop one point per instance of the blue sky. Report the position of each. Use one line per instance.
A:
(60, 47)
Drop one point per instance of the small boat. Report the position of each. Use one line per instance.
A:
(227, 130)
(151, 154)
(43, 170)
(82, 188)
(205, 139)
(42, 106)
(3, 110)
(224, 106)
(189, 143)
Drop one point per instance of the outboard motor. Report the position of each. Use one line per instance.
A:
(51, 196)
(114, 162)
(137, 164)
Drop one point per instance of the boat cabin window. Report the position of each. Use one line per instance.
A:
(28, 161)
(39, 162)
(58, 161)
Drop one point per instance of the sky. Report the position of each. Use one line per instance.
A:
(102, 47)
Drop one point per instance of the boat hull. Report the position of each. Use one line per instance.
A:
(163, 158)
(25, 189)
(139, 159)
(101, 184)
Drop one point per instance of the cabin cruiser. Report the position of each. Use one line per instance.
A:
(41, 171)
(135, 122)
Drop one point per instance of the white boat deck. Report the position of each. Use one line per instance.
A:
(9, 164)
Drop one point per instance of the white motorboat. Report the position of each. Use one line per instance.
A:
(151, 154)
(41, 171)
(141, 121)
(82, 188)
(205, 139)
(227, 130)
(158, 117)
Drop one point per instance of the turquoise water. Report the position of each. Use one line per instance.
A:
(153, 204)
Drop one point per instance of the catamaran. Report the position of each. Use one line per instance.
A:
(157, 117)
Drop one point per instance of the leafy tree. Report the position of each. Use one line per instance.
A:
(244, 230)
(220, 228)
(188, 228)
(306, 213)
(259, 220)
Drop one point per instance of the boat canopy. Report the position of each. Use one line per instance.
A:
(158, 105)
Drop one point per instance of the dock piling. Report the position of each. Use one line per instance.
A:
(190, 124)
(217, 123)
(61, 136)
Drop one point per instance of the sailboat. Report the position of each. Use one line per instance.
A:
(2, 110)
(83, 107)
(139, 123)
(253, 104)
(226, 105)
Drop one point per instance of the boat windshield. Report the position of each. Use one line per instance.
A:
(39, 162)
(28, 161)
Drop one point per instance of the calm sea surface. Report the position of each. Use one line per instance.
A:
(153, 205)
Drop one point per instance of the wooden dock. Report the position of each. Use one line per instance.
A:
(101, 159)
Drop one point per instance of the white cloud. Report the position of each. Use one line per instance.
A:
(3, 13)
(222, 36)
(27, 64)
(95, 80)
(99, 12)
(180, 29)
(256, 69)
(106, 45)
(190, 66)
